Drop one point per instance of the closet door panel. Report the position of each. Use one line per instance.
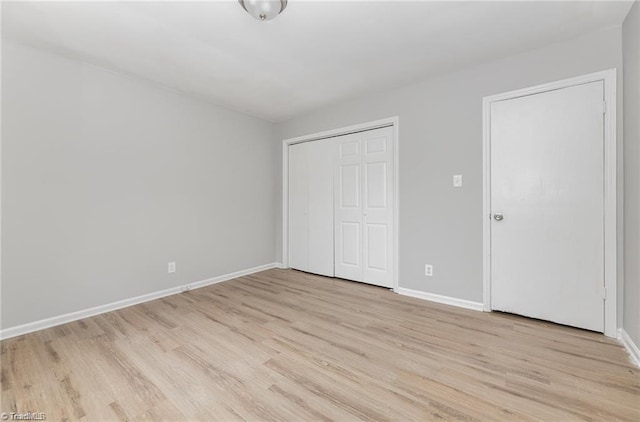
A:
(377, 192)
(299, 207)
(348, 207)
(321, 230)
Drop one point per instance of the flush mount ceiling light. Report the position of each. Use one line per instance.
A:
(263, 10)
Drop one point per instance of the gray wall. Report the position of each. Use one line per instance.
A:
(106, 178)
(631, 55)
(441, 135)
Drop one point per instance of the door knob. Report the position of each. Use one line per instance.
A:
(498, 216)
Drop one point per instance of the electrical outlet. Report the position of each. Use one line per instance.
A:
(428, 270)
(171, 267)
(457, 181)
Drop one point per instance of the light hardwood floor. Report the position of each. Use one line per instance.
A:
(288, 346)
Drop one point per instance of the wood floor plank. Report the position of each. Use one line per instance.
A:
(283, 345)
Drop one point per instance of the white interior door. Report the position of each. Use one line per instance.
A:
(547, 182)
(364, 207)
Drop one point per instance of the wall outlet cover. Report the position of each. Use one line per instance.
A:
(428, 270)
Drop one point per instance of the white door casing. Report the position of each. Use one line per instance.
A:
(364, 192)
(550, 170)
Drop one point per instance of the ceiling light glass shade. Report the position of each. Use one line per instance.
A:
(264, 10)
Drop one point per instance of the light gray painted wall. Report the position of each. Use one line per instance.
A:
(441, 135)
(106, 178)
(631, 55)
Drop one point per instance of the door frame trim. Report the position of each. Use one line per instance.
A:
(360, 127)
(610, 186)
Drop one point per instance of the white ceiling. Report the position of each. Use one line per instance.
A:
(314, 54)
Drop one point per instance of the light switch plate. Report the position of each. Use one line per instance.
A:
(457, 181)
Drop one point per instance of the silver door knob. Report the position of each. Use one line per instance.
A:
(498, 217)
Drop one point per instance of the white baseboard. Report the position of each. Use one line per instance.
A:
(279, 265)
(461, 303)
(230, 276)
(631, 347)
(86, 313)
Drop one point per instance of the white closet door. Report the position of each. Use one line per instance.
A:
(348, 208)
(311, 207)
(364, 207)
(298, 207)
(320, 177)
(377, 194)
